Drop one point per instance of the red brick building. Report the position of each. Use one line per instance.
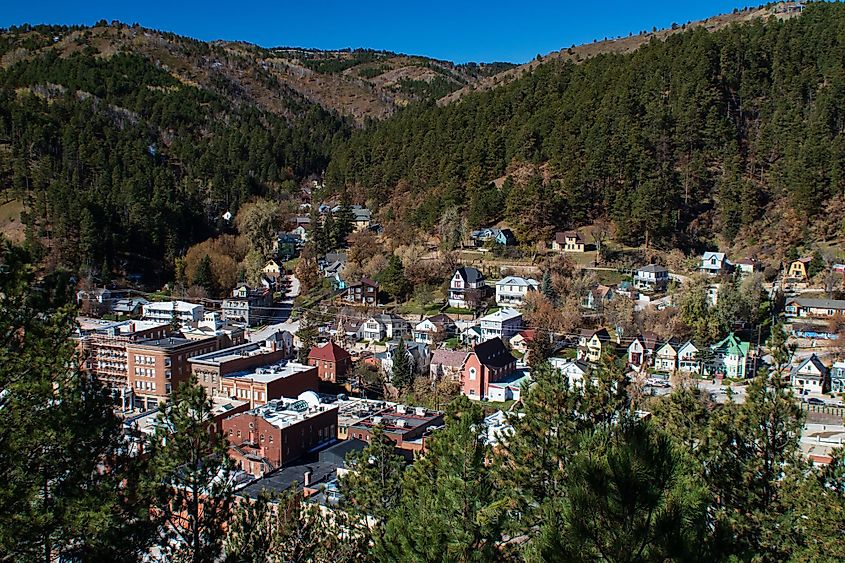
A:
(262, 385)
(405, 425)
(333, 362)
(488, 362)
(265, 438)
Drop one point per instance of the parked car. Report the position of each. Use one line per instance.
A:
(815, 401)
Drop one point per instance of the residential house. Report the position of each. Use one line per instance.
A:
(510, 388)
(689, 358)
(568, 241)
(503, 324)
(273, 270)
(166, 311)
(811, 307)
(447, 364)
(247, 305)
(747, 266)
(521, 341)
(837, 377)
(575, 370)
(364, 292)
(641, 350)
(489, 362)
(385, 326)
(467, 288)
(99, 295)
(651, 278)
(715, 264)
(595, 299)
(419, 355)
(666, 358)
(592, 344)
(361, 218)
(513, 289)
(434, 329)
(333, 363)
(799, 269)
(810, 376)
(731, 358)
(130, 306)
(503, 237)
(286, 245)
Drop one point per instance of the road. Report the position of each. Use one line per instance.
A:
(281, 315)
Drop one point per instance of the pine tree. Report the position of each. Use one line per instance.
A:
(307, 335)
(450, 510)
(68, 484)
(392, 279)
(203, 276)
(628, 496)
(191, 476)
(546, 287)
(685, 415)
(402, 371)
(372, 488)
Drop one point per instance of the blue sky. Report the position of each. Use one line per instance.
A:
(495, 30)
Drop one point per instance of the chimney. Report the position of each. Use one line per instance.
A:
(306, 480)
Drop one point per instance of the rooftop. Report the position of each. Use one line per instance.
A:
(216, 358)
(818, 303)
(520, 281)
(283, 479)
(328, 352)
(400, 418)
(285, 412)
(168, 343)
(271, 373)
(180, 306)
(502, 315)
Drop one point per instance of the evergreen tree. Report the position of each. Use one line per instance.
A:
(69, 490)
(685, 415)
(344, 222)
(546, 287)
(628, 496)
(191, 476)
(402, 370)
(203, 276)
(372, 488)
(449, 510)
(392, 280)
(307, 335)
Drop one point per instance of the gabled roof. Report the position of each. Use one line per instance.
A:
(687, 344)
(493, 353)
(470, 275)
(600, 332)
(561, 237)
(652, 268)
(450, 358)
(520, 281)
(502, 315)
(732, 345)
(329, 352)
(818, 303)
(812, 360)
(668, 345)
(719, 256)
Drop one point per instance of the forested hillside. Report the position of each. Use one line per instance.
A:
(119, 158)
(703, 135)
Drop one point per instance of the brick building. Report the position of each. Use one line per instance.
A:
(209, 369)
(489, 362)
(333, 362)
(157, 365)
(405, 425)
(267, 437)
(263, 384)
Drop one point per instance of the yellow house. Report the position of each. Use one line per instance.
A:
(272, 269)
(799, 269)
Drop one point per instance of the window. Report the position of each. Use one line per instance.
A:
(270, 438)
(472, 374)
(239, 433)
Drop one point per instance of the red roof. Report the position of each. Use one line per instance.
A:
(330, 352)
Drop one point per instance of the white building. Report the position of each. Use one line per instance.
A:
(513, 289)
(165, 311)
(503, 324)
(466, 288)
(575, 371)
(651, 278)
(810, 376)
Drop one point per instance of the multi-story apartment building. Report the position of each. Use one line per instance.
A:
(264, 384)
(503, 324)
(165, 311)
(247, 305)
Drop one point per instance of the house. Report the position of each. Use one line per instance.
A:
(641, 350)
(130, 307)
(521, 341)
(510, 388)
(731, 358)
(503, 324)
(100, 295)
(364, 292)
(568, 241)
(166, 311)
(434, 329)
(503, 237)
(651, 278)
(380, 327)
(286, 245)
(799, 269)
(513, 289)
(837, 377)
(810, 376)
(489, 362)
(626, 289)
(715, 264)
(747, 266)
(333, 363)
(247, 305)
(361, 218)
(273, 270)
(689, 359)
(419, 355)
(592, 344)
(467, 288)
(813, 331)
(575, 370)
(666, 358)
(447, 364)
(810, 307)
(595, 299)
